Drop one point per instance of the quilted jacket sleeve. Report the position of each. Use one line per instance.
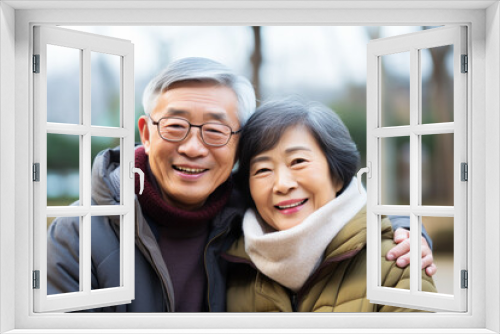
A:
(395, 277)
(63, 248)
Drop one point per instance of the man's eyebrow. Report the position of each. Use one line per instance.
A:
(218, 116)
(176, 112)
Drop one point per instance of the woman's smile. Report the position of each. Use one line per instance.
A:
(291, 206)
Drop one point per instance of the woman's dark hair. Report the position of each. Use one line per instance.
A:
(267, 125)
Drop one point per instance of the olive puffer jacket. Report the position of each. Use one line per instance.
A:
(337, 285)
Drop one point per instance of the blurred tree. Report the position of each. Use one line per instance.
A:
(352, 110)
(105, 88)
(439, 106)
(256, 60)
(373, 32)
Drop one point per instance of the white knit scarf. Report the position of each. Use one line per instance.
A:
(290, 256)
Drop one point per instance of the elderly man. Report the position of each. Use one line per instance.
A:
(189, 212)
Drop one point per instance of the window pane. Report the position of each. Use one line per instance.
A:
(395, 171)
(437, 169)
(102, 193)
(63, 84)
(395, 89)
(440, 230)
(437, 84)
(106, 253)
(63, 163)
(105, 89)
(63, 265)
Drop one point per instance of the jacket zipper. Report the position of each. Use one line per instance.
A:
(295, 302)
(206, 267)
(163, 285)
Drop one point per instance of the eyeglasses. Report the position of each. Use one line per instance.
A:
(176, 130)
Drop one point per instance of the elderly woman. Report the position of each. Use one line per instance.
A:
(304, 242)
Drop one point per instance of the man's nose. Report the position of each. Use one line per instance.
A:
(193, 146)
(284, 181)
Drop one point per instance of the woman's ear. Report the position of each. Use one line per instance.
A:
(142, 123)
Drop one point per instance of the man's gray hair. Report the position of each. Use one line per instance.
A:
(201, 70)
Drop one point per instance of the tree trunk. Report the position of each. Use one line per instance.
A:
(256, 60)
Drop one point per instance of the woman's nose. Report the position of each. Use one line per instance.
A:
(193, 146)
(284, 181)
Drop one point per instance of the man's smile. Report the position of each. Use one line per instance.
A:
(189, 170)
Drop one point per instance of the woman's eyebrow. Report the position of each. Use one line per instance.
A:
(260, 158)
(297, 148)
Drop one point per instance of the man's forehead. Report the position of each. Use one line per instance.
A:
(194, 99)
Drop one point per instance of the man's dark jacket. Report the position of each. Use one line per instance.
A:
(153, 286)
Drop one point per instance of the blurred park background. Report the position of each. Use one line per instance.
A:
(324, 63)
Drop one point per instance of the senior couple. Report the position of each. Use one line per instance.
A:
(285, 232)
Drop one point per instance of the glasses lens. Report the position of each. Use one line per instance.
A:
(216, 134)
(173, 128)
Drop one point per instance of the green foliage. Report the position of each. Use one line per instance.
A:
(62, 152)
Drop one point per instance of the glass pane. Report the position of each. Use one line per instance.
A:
(387, 244)
(440, 230)
(437, 84)
(104, 193)
(63, 164)
(395, 171)
(395, 89)
(437, 169)
(63, 84)
(105, 89)
(106, 256)
(63, 264)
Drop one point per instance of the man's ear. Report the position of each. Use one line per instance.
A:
(142, 123)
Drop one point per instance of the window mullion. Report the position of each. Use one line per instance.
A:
(86, 122)
(85, 167)
(414, 172)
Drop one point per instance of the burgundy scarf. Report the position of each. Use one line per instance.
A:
(156, 208)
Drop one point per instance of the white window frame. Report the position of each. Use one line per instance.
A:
(16, 128)
(412, 44)
(86, 44)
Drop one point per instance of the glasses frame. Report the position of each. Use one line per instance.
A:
(200, 126)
